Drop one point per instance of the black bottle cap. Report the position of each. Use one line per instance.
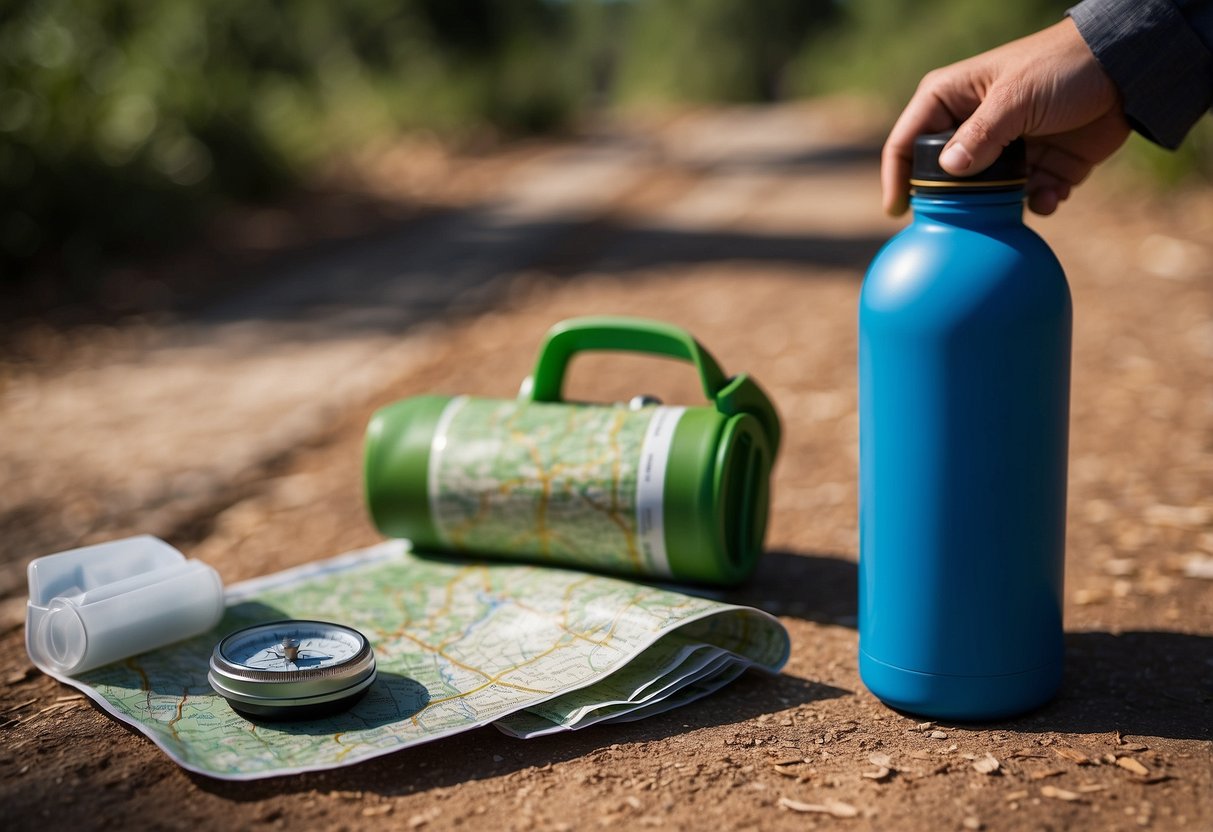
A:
(1009, 171)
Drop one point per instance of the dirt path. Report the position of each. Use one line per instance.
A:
(236, 434)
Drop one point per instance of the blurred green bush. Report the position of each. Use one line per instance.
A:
(122, 121)
(715, 50)
(884, 47)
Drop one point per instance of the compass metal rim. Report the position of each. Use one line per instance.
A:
(280, 693)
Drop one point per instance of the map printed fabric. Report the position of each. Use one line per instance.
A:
(458, 645)
(552, 482)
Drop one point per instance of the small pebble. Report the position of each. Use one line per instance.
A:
(1059, 794)
(986, 765)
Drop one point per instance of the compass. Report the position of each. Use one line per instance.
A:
(294, 669)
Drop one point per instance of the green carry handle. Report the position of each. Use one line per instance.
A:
(730, 396)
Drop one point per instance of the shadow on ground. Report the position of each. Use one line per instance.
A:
(811, 587)
(1148, 683)
(828, 159)
(1143, 683)
(436, 266)
(486, 753)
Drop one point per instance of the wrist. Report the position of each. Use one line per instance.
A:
(1155, 60)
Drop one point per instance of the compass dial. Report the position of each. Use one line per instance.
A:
(292, 669)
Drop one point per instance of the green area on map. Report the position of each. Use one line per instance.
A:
(541, 480)
(458, 645)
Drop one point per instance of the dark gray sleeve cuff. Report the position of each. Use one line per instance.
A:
(1162, 67)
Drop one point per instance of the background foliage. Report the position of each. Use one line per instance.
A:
(124, 121)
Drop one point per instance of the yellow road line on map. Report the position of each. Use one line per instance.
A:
(449, 597)
(467, 693)
(562, 625)
(253, 733)
(618, 616)
(541, 507)
(458, 532)
(172, 723)
(534, 658)
(613, 514)
(145, 684)
(489, 682)
(476, 670)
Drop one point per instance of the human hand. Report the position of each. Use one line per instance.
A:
(1046, 87)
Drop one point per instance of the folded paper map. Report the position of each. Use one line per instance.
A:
(459, 644)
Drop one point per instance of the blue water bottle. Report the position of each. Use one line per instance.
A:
(964, 377)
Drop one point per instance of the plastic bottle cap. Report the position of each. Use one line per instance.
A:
(1010, 169)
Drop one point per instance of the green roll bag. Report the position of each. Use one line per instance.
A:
(637, 488)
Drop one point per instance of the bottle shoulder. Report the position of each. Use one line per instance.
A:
(935, 269)
(961, 238)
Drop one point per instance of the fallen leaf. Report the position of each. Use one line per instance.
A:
(1086, 597)
(1179, 516)
(1129, 764)
(1059, 794)
(1199, 566)
(1072, 754)
(19, 676)
(61, 703)
(986, 765)
(831, 807)
(882, 760)
(20, 705)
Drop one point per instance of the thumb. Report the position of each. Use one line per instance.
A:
(997, 121)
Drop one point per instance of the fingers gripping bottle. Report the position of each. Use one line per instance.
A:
(964, 375)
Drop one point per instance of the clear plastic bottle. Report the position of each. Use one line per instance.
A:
(964, 375)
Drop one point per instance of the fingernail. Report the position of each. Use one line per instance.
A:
(955, 158)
